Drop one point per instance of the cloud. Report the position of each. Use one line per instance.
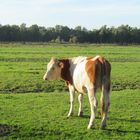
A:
(96, 10)
(70, 12)
(28, 3)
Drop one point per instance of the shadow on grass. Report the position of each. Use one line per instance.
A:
(126, 120)
(6, 130)
(123, 131)
(88, 117)
(85, 116)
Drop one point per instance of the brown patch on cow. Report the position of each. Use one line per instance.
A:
(106, 71)
(97, 70)
(106, 66)
(103, 67)
(89, 58)
(65, 72)
(90, 69)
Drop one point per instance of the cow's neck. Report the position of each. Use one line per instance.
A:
(65, 72)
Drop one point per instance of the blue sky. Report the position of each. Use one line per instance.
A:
(88, 13)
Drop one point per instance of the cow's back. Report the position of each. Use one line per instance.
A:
(89, 72)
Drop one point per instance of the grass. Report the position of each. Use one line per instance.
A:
(43, 116)
(22, 66)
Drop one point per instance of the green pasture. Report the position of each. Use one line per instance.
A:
(22, 66)
(40, 114)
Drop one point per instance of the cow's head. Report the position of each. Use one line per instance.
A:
(54, 68)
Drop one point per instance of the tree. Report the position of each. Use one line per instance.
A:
(78, 28)
(123, 34)
(34, 33)
(58, 40)
(73, 39)
(23, 32)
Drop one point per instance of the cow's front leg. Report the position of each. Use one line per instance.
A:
(80, 99)
(72, 94)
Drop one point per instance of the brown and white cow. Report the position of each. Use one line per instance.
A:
(84, 75)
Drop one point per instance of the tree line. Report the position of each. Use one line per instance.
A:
(123, 34)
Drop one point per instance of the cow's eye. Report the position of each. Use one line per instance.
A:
(52, 68)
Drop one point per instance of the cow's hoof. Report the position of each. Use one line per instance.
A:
(89, 126)
(69, 115)
(80, 114)
(103, 126)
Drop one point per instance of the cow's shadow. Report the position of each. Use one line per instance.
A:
(122, 131)
(6, 130)
(98, 116)
(118, 119)
(126, 120)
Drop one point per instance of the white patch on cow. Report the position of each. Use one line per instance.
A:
(77, 60)
(77, 65)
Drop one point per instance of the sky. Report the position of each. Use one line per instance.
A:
(86, 13)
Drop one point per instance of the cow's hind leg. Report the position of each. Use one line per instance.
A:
(93, 106)
(72, 94)
(104, 106)
(80, 99)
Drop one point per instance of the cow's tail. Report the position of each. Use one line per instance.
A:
(106, 87)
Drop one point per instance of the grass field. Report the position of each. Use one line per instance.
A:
(23, 66)
(35, 116)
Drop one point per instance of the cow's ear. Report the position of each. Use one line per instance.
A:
(61, 64)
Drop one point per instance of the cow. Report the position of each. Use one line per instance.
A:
(84, 75)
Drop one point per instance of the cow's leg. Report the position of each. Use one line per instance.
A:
(104, 106)
(72, 94)
(80, 99)
(93, 105)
